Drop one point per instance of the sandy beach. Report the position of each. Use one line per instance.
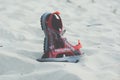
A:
(95, 22)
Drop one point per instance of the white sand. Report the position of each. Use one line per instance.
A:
(95, 22)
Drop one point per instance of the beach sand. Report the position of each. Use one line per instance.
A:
(95, 22)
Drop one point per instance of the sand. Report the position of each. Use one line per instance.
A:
(95, 22)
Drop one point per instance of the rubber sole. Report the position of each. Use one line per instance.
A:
(44, 27)
(73, 59)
